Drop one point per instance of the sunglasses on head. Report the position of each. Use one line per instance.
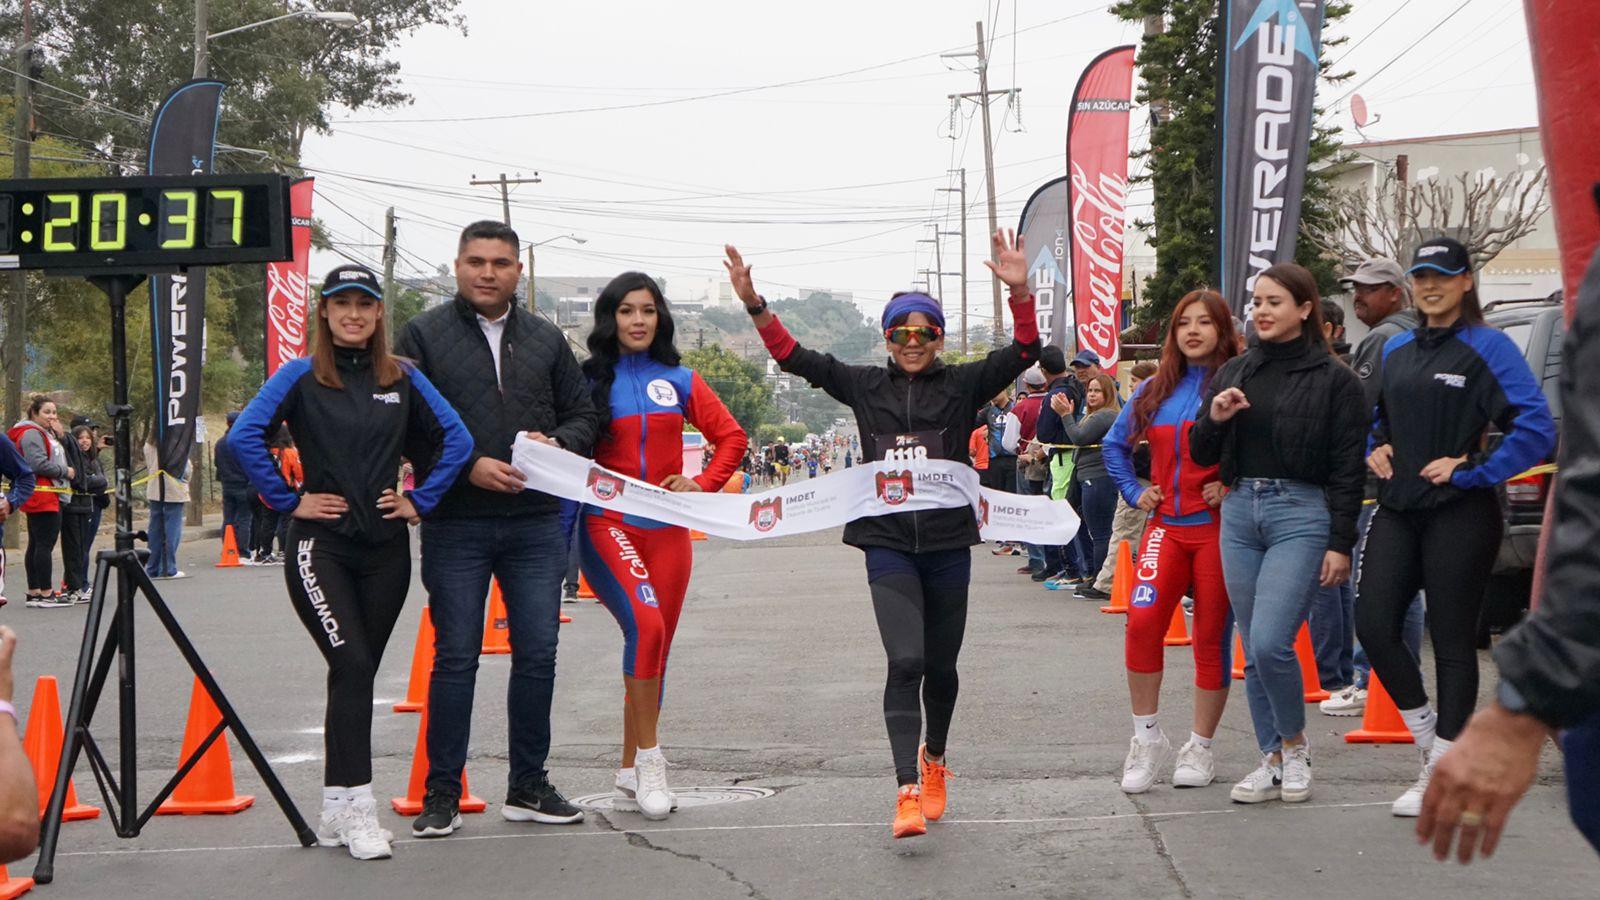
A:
(905, 334)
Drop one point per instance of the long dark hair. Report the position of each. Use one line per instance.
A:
(1174, 364)
(1302, 288)
(604, 350)
(385, 365)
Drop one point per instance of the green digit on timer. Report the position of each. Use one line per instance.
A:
(226, 226)
(108, 225)
(61, 214)
(177, 216)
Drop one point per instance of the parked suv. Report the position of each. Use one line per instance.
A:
(1538, 327)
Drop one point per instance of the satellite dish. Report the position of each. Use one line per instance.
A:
(1358, 110)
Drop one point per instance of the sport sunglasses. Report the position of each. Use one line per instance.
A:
(904, 334)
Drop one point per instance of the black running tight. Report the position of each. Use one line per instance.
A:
(920, 600)
(348, 594)
(1448, 552)
(44, 528)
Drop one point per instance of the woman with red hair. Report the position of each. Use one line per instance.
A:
(1179, 552)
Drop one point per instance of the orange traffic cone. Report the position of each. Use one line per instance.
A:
(1121, 580)
(1238, 654)
(497, 628)
(42, 744)
(1177, 632)
(696, 535)
(411, 803)
(421, 667)
(230, 549)
(1308, 666)
(584, 590)
(13, 887)
(1381, 723)
(208, 788)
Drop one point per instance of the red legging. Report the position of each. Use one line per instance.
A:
(641, 575)
(1175, 560)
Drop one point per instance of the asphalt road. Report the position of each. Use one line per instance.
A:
(776, 684)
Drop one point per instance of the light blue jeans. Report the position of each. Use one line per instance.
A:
(1274, 536)
(163, 534)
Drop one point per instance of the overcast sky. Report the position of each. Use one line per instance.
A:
(827, 183)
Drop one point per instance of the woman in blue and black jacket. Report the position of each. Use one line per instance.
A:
(1438, 524)
(354, 410)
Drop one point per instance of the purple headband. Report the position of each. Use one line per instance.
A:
(906, 304)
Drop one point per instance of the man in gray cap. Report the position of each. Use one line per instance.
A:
(1383, 304)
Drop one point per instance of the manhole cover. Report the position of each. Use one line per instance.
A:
(687, 797)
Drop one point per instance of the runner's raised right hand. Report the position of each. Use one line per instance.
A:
(739, 274)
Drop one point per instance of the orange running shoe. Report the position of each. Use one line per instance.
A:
(933, 789)
(908, 820)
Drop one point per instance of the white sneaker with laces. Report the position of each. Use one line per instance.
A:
(1144, 764)
(1350, 701)
(354, 825)
(654, 800)
(625, 797)
(1265, 783)
(1195, 767)
(1297, 774)
(1409, 806)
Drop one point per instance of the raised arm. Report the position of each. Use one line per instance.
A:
(820, 370)
(1002, 366)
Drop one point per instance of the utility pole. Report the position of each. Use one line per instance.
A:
(533, 293)
(962, 197)
(202, 29)
(388, 268)
(982, 96)
(17, 310)
(505, 190)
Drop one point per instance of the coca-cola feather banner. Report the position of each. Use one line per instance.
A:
(288, 287)
(1097, 183)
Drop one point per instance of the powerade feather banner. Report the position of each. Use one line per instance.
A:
(1264, 120)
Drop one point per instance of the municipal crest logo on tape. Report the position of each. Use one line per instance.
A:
(983, 511)
(605, 485)
(765, 514)
(894, 487)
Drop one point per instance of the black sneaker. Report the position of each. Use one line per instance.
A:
(1042, 575)
(441, 816)
(539, 801)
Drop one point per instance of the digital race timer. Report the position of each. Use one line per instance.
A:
(160, 222)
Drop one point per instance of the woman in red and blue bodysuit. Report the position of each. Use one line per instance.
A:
(1179, 553)
(639, 568)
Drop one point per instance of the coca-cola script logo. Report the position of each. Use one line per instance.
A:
(1099, 213)
(286, 313)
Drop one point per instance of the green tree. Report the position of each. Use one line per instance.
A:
(1180, 71)
(740, 384)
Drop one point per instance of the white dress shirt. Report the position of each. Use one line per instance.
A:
(494, 329)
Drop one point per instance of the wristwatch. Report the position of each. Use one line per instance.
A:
(757, 309)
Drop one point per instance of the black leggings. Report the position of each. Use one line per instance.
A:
(43, 530)
(74, 548)
(1448, 552)
(921, 603)
(348, 594)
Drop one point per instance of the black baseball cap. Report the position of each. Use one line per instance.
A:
(84, 422)
(1441, 254)
(352, 275)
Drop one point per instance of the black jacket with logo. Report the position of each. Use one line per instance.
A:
(540, 389)
(937, 404)
(1319, 431)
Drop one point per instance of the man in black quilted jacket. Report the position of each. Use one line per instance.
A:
(505, 371)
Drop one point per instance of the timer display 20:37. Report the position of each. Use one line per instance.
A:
(157, 221)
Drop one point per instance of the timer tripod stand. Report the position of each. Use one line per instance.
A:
(122, 563)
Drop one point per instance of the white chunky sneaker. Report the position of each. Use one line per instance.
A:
(1297, 774)
(625, 792)
(1409, 805)
(652, 796)
(1144, 764)
(1265, 783)
(355, 827)
(1195, 767)
(1350, 701)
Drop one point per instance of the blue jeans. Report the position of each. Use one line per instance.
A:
(1040, 557)
(237, 511)
(1333, 635)
(1411, 629)
(1098, 503)
(165, 531)
(1274, 536)
(1581, 744)
(528, 556)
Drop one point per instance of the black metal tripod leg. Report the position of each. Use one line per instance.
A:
(79, 710)
(302, 830)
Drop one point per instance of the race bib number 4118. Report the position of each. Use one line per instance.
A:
(908, 447)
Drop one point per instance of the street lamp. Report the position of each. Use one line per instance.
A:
(202, 59)
(533, 297)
